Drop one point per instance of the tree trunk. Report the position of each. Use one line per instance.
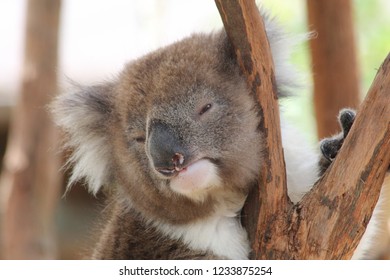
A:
(334, 65)
(330, 220)
(30, 180)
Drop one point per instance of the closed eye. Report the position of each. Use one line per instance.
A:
(205, 108)
(140, 139)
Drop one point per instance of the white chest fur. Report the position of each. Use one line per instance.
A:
(222, 235)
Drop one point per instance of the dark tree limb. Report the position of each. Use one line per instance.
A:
(330, 220)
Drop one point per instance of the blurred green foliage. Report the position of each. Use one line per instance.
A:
(372, 30)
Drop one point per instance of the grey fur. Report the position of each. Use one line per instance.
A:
(191, 100)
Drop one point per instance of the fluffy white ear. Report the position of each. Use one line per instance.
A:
(83, 115)
(288, 79)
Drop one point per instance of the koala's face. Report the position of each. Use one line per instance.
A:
(189, 124)
(193, 138)
(181, 133)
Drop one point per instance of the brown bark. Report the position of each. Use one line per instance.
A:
(330, 220)
(334, 63)
(343, 200)
(245, 29)
(30, 180)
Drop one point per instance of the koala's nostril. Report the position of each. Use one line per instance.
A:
(178, 160)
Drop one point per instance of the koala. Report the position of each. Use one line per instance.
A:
(173, 140)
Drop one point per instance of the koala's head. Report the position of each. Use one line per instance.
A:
(175, 133)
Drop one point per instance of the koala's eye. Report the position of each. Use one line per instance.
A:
(205, 109)
(140, 139)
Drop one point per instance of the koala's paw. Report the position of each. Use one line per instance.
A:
(331, 146)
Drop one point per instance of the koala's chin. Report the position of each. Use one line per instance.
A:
(195, 180)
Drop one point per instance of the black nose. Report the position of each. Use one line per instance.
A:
(166, 149)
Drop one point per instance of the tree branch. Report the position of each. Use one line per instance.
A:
(330, 220)
(343, 200)
(269, 202)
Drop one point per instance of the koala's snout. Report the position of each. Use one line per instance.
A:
(166, 151)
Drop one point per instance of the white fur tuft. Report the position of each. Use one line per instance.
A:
(301, 162)
(222, 235)
(286, 75)
(196, 180)
(90, 152)
(89, 161)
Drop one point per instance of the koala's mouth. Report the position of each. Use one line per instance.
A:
(174, 171)
(171, 172)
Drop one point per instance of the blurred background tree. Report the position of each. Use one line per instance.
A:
(30, 179)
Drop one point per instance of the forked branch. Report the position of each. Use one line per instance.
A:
(331, 219)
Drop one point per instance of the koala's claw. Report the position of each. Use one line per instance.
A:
(346, 119)
(331, 146)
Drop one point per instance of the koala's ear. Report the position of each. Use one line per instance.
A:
(225, 50)
(84, 116)
(288, 79)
